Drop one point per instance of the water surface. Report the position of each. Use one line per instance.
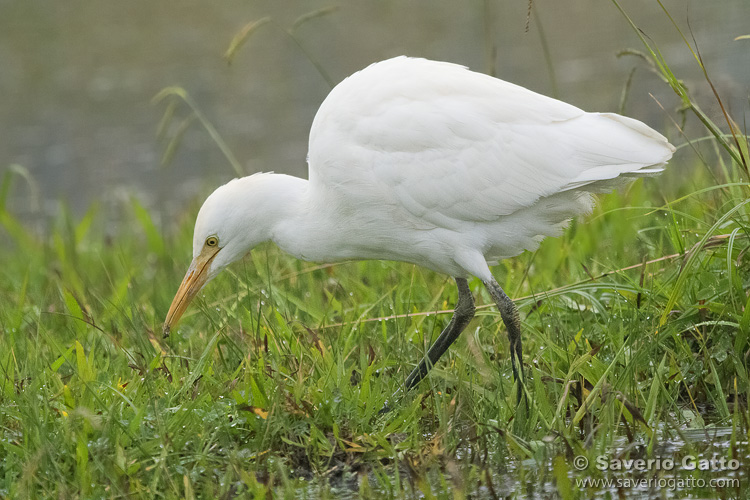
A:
(77, 77)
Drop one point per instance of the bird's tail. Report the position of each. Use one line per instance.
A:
(639, 151)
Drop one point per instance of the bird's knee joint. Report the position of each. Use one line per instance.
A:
(466, 308)
(508, 309)
(469, 309)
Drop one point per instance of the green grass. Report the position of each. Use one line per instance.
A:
(636, 327)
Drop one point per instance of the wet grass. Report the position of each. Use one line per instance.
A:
(275, 379)
(636, 327)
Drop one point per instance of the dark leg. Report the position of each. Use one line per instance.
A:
(509, 313)
(461, 316)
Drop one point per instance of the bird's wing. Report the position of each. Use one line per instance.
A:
(445, 145)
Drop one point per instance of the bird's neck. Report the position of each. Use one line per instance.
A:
(295, 219)
(283, 209)
(280, 211)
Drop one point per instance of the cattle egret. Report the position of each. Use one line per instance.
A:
(429, 163)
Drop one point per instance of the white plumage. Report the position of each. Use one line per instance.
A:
(429, 163)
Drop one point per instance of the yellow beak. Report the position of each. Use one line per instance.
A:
(195, 278)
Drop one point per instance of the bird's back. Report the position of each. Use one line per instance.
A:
(420, 148)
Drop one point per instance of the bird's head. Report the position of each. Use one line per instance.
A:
(229, 224)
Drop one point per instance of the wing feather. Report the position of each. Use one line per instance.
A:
(440, 146)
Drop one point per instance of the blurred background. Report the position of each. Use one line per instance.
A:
(77, 78)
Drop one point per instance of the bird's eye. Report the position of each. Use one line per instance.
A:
(212, 241)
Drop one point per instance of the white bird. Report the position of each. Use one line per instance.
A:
(429, 163)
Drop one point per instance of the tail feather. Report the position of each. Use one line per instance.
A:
(639, 151)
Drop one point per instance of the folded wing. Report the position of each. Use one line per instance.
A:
(439, 145)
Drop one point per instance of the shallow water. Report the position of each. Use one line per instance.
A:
(673, 471)
(78, 77)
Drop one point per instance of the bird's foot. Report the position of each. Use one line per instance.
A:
(385, 409)
(392, 402)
